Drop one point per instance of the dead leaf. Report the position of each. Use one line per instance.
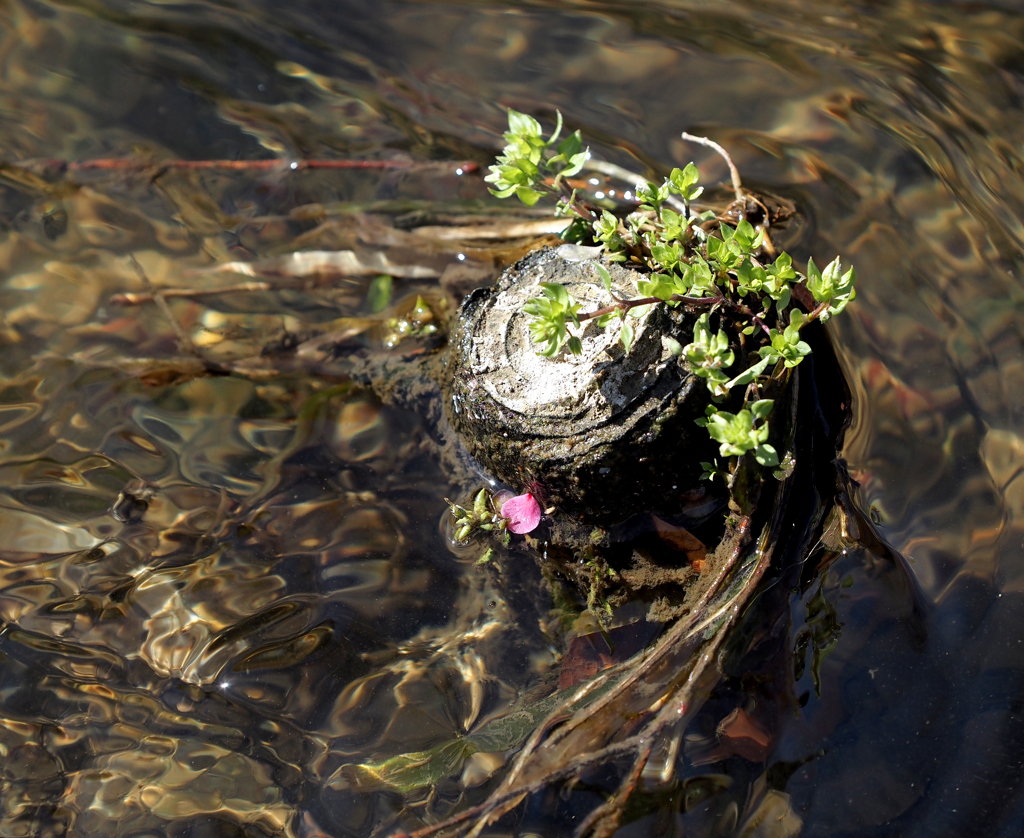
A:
(680, 538)
(743, 737)
(589, 654)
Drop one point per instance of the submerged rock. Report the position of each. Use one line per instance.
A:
(599, 435)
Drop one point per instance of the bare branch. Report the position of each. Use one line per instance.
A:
(737, 186)
(184, 341)
(131, 298)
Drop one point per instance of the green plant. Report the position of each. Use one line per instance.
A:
(719, 263)
(738, 434)
(484, 516)
(523, 167)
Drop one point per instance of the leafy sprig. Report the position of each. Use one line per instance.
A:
(551, 315)
(739, 434)
(482, 517)
(831, 288)
(709, 355)
(528, 160)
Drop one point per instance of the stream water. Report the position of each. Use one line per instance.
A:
(222, 578)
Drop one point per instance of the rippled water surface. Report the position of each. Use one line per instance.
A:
(222, 573)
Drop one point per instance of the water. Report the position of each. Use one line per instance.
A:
(216, 590)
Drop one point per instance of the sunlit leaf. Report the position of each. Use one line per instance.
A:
(626, 335)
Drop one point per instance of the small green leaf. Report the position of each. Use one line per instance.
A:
(557, 292)
(480, 503)
(606, 278)
(574, 345)
(527, 196)
(736, 432)
(626, 335)
(761, 408)
(522, 124)
(502, 193)
(571, 145)
(551, 349)
(378, 295)
(783, 299)
(606, 228)
(766, 455)
(749, 374)
(576, 163)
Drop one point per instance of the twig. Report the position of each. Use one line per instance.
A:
(737, 186)
(745, 311)
(673, 709)
(131, 298)
(626, 305)
(641, 744)
(626, 176)
(683, 629)
(606, 816)
(818, 311)
(184, 341)
(529, 747)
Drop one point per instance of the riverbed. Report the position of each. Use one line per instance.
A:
(224, 571)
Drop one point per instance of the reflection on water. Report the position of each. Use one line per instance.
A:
(221, 573)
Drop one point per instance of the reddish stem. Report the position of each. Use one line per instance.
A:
(746, 312)
(818, 311)
(122, 163)
(626, 305)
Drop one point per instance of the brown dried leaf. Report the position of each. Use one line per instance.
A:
(680, 538)
(589, 654)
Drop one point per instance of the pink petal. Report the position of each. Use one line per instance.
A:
(523, 513)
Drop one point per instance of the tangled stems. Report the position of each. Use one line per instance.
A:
(680, 258)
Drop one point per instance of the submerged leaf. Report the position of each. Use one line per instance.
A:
(406, 772)
(378, 295)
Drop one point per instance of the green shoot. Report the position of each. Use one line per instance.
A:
(529, 161)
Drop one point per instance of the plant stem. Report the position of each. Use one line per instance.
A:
(626, 305)
(818, 311)
(626, 176)
(737, 187)
(747, 312)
